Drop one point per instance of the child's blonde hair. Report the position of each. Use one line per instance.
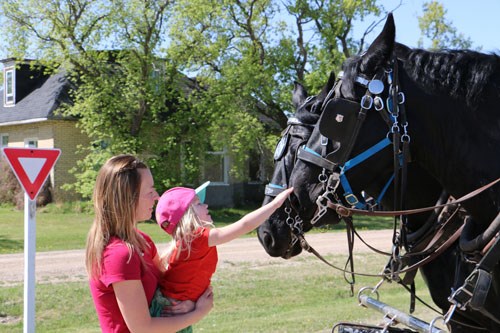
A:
(188, 229)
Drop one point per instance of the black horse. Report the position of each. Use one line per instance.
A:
(277, 236)
(443, 106)
(379, 55)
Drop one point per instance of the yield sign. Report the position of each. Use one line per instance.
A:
(31, 166)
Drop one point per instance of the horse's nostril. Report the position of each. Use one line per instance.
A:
(268, 240)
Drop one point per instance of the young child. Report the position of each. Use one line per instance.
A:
(192, 258)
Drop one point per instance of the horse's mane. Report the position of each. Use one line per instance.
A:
(462, 74)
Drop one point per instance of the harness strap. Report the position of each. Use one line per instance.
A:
(273, 190)
(476, 291)
(308, 155)
(346, 211)
(492, 256)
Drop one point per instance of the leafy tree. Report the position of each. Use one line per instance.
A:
(246, 56)
(125, 58)
(110, 50)
(438, 30)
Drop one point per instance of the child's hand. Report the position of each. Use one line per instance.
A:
(280, 198)
(177, 308)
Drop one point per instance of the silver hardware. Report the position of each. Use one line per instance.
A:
(366, 102)
(294, 121)
(379, 103)
(376, 87)
(401, 97)
(362, 81)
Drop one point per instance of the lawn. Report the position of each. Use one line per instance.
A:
(65, 227)
(302, 295)
(298, 295)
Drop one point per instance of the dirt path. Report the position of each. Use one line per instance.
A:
(64, 266)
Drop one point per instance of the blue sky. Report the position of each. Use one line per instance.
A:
(478, 20)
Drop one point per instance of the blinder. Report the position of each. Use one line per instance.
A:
(280, 147)
(337, 122)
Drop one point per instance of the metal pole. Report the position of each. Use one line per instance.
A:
(29, 263)
(398, 316)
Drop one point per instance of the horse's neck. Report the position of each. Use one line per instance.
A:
(453, 145)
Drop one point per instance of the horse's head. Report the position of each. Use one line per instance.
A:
(361, 116)
(276, 234)
(357, 122)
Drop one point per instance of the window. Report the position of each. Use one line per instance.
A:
(216, 167)
(31, 143)
(4, 140)
(9, 84)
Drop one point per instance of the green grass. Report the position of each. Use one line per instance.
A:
(303, 295)
(65, 227)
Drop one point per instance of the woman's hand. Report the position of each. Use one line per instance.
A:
(206, 301)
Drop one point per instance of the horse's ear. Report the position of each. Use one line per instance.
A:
(299, 94)
(329, 85)
(381, 49)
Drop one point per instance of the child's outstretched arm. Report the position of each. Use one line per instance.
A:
(248, 222)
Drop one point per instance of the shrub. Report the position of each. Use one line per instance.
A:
(10, 190)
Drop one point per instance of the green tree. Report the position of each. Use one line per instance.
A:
(438, 30)
(126, 58)
(110, 50)
(246, 56)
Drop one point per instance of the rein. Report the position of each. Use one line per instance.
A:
(347, 212)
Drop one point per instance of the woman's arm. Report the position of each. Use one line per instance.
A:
(134, 308)
(248, 222)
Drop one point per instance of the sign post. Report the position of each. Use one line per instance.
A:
(31, 167)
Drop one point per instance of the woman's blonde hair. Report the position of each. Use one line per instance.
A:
(116, 194)
(189, 228)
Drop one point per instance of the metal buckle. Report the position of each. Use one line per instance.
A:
(351, 199)
(367, 99)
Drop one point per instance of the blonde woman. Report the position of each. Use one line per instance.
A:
(192, 258)
(122, 262)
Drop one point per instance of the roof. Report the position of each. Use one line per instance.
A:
(39, 104)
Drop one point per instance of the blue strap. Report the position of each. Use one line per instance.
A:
(382, 193)
(348, 193)
(366, 154)
(276, 186)
(309, 150)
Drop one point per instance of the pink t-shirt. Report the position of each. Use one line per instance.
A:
(117, 267)
(187, 277)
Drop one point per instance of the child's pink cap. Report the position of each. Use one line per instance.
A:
(174, 203)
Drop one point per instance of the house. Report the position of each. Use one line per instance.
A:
(29, 118)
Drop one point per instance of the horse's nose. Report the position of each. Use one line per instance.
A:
(268, 242)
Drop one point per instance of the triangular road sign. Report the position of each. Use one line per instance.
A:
(31, 166)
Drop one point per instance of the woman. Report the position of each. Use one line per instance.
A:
(122, 262)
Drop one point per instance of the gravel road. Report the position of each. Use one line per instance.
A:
(64, 266)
